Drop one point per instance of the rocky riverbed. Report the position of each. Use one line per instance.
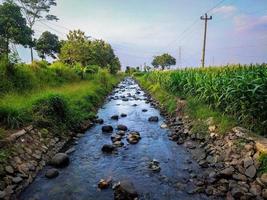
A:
(136, 151)
(126, 155)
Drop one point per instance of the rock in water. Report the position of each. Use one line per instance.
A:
(153, 119)
(122, 127)
(103, 184)
(60, 160)
(107, 129)
(115, 117)
(99, 121)
(51, 173)
(108, 148)
(125, 190)
(133, 137)
(123, 115)
(144, 110)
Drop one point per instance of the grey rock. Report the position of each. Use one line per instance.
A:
(153, 119)
(248, 162)
(71, 150)
(51, 173)
(60, 160)
(227, 172)
(251, 171)
(17, 179)
(9, 169)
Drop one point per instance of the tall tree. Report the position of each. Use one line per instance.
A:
(79, 49)
(163, 61)
(13, 27)
(48, 44)
(34, 10)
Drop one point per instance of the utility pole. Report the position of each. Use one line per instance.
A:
(206, 18)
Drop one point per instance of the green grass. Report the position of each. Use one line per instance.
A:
(263, 163)
(78, 100)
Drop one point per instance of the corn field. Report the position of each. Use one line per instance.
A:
(236, 90)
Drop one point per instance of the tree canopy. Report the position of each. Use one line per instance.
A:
(79, 49)
(48, 44)
(163, 61)
(13, 27)
(34, 10)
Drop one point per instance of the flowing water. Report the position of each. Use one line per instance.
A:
(88, 164)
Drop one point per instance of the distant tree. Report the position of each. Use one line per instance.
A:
(34, 10)
(13, 27)
(76, 49)
(163, 61)
(79, 49)
(48, 44)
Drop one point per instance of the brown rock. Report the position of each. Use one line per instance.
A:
(255, 189)
(229, 171)
(264, 193)
(263, 178)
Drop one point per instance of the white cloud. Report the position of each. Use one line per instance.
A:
(226, 10)
(246, 22)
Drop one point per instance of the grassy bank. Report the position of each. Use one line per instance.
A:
(236, 91)
(58, 99)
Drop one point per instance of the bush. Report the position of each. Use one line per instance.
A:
(51, 111)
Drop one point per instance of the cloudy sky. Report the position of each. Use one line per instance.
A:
(140, 29)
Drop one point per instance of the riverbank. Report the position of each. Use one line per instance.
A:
(51, 118)
(233, 159)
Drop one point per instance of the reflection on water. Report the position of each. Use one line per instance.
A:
(88, 164)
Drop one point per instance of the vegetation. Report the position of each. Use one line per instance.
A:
(47, 45)
(163, 61)
(62, 102)
(79, 49)
(263, 163)
(13, 28)
(239, 91)
(34, 10)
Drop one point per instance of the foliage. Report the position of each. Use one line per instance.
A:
(240, 91)
(263, 163)
(59, 107)
(34, 10)
(163, 61)
(79, 49)
(13, 28)
(47, 44)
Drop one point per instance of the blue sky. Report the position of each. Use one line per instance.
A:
(140, 29)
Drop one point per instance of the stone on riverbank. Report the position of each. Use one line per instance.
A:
(153, 119)
(60, 160)
(51, 173)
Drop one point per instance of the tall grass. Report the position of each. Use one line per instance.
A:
(55, 96)
(240, 91)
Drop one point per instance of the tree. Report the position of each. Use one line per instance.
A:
(76, 49)
(163, 61)
(13, 27)
(34, 10)
(79, 49)
(48, 44)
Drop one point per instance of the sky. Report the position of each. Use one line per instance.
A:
(141, 29)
